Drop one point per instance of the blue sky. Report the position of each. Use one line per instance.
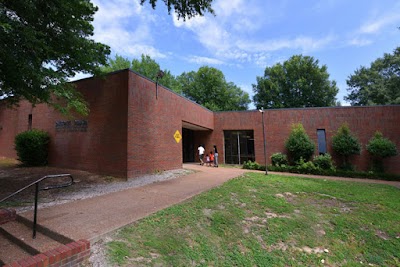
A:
(246, 36)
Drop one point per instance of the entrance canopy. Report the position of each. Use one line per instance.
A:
(193, 127)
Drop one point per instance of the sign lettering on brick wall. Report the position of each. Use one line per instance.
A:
(72, 126)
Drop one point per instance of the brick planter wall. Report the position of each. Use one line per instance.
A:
(70, 255)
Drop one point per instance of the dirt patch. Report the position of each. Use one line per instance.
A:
(87, 185)
(382, 235)
(15, 177)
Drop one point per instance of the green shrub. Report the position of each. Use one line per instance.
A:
(32, 147)
(299, 144)
(250, 165)
(345, 144)
(324, 162)
(380, 148)
(338, 173)
(279, 159)
(306, 167)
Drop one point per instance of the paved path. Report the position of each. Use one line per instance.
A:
(91, 218)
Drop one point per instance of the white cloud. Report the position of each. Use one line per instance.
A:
(302, 43)
(357, 41)
(377, 24)
(226, 36)
(205, 60)
(125, 26)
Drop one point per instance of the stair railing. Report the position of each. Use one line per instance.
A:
(37, 189)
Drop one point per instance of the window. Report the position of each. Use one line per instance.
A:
(239, 146)
(30, 122)
(321, 141)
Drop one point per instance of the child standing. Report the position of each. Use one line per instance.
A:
(211, 159)
(208, 160)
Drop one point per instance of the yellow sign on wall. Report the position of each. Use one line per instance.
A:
(177, 136)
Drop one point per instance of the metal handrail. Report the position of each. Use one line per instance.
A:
(37, 189)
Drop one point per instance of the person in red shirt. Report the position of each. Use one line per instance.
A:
(211, 163)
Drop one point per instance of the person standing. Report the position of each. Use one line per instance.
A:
(215, 156)
(211, 159)
(201, 154)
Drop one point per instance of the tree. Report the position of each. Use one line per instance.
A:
(185, 9)
(380, 148)
(377, 85)
(119, 63)
(209, 88)
(43, 44)
(149, 68)
(345, 144)
(299, 145)
(146, 66)
(298, 82)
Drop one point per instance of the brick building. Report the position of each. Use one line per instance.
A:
(134, 128)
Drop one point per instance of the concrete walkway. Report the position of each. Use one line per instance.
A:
(91, 218)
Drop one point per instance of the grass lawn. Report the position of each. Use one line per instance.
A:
(259, 220)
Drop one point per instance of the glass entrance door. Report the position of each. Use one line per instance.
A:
(239, 146)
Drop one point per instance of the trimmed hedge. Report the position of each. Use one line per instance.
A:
(310, 168)
(32, 147)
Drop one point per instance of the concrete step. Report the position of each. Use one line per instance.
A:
(7, 215)
(10, 252)
(19, 242)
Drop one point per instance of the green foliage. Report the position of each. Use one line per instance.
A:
(345, 144)
(146, 66)
(306, 167)
(336, 172)
(298, 82)
(209, 88)
(378, 84)
(44, 43)
(118, 251)
(183, 8)
(324, 162)
(380, 148)
(119, 63)
(251, 165)
(279, 159)
(248, 221)
(32, 147)
(299, 144)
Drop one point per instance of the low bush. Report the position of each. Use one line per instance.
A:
(324, 162)
(337, 173)
(306, 167)
(279, 159)
(251, 165)
(309, 167)
(32, 147)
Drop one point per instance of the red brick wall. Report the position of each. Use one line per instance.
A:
(71, 255)
(102, 148)
(363, 122)
(8, 121)
(131, 132)
(152, 123)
